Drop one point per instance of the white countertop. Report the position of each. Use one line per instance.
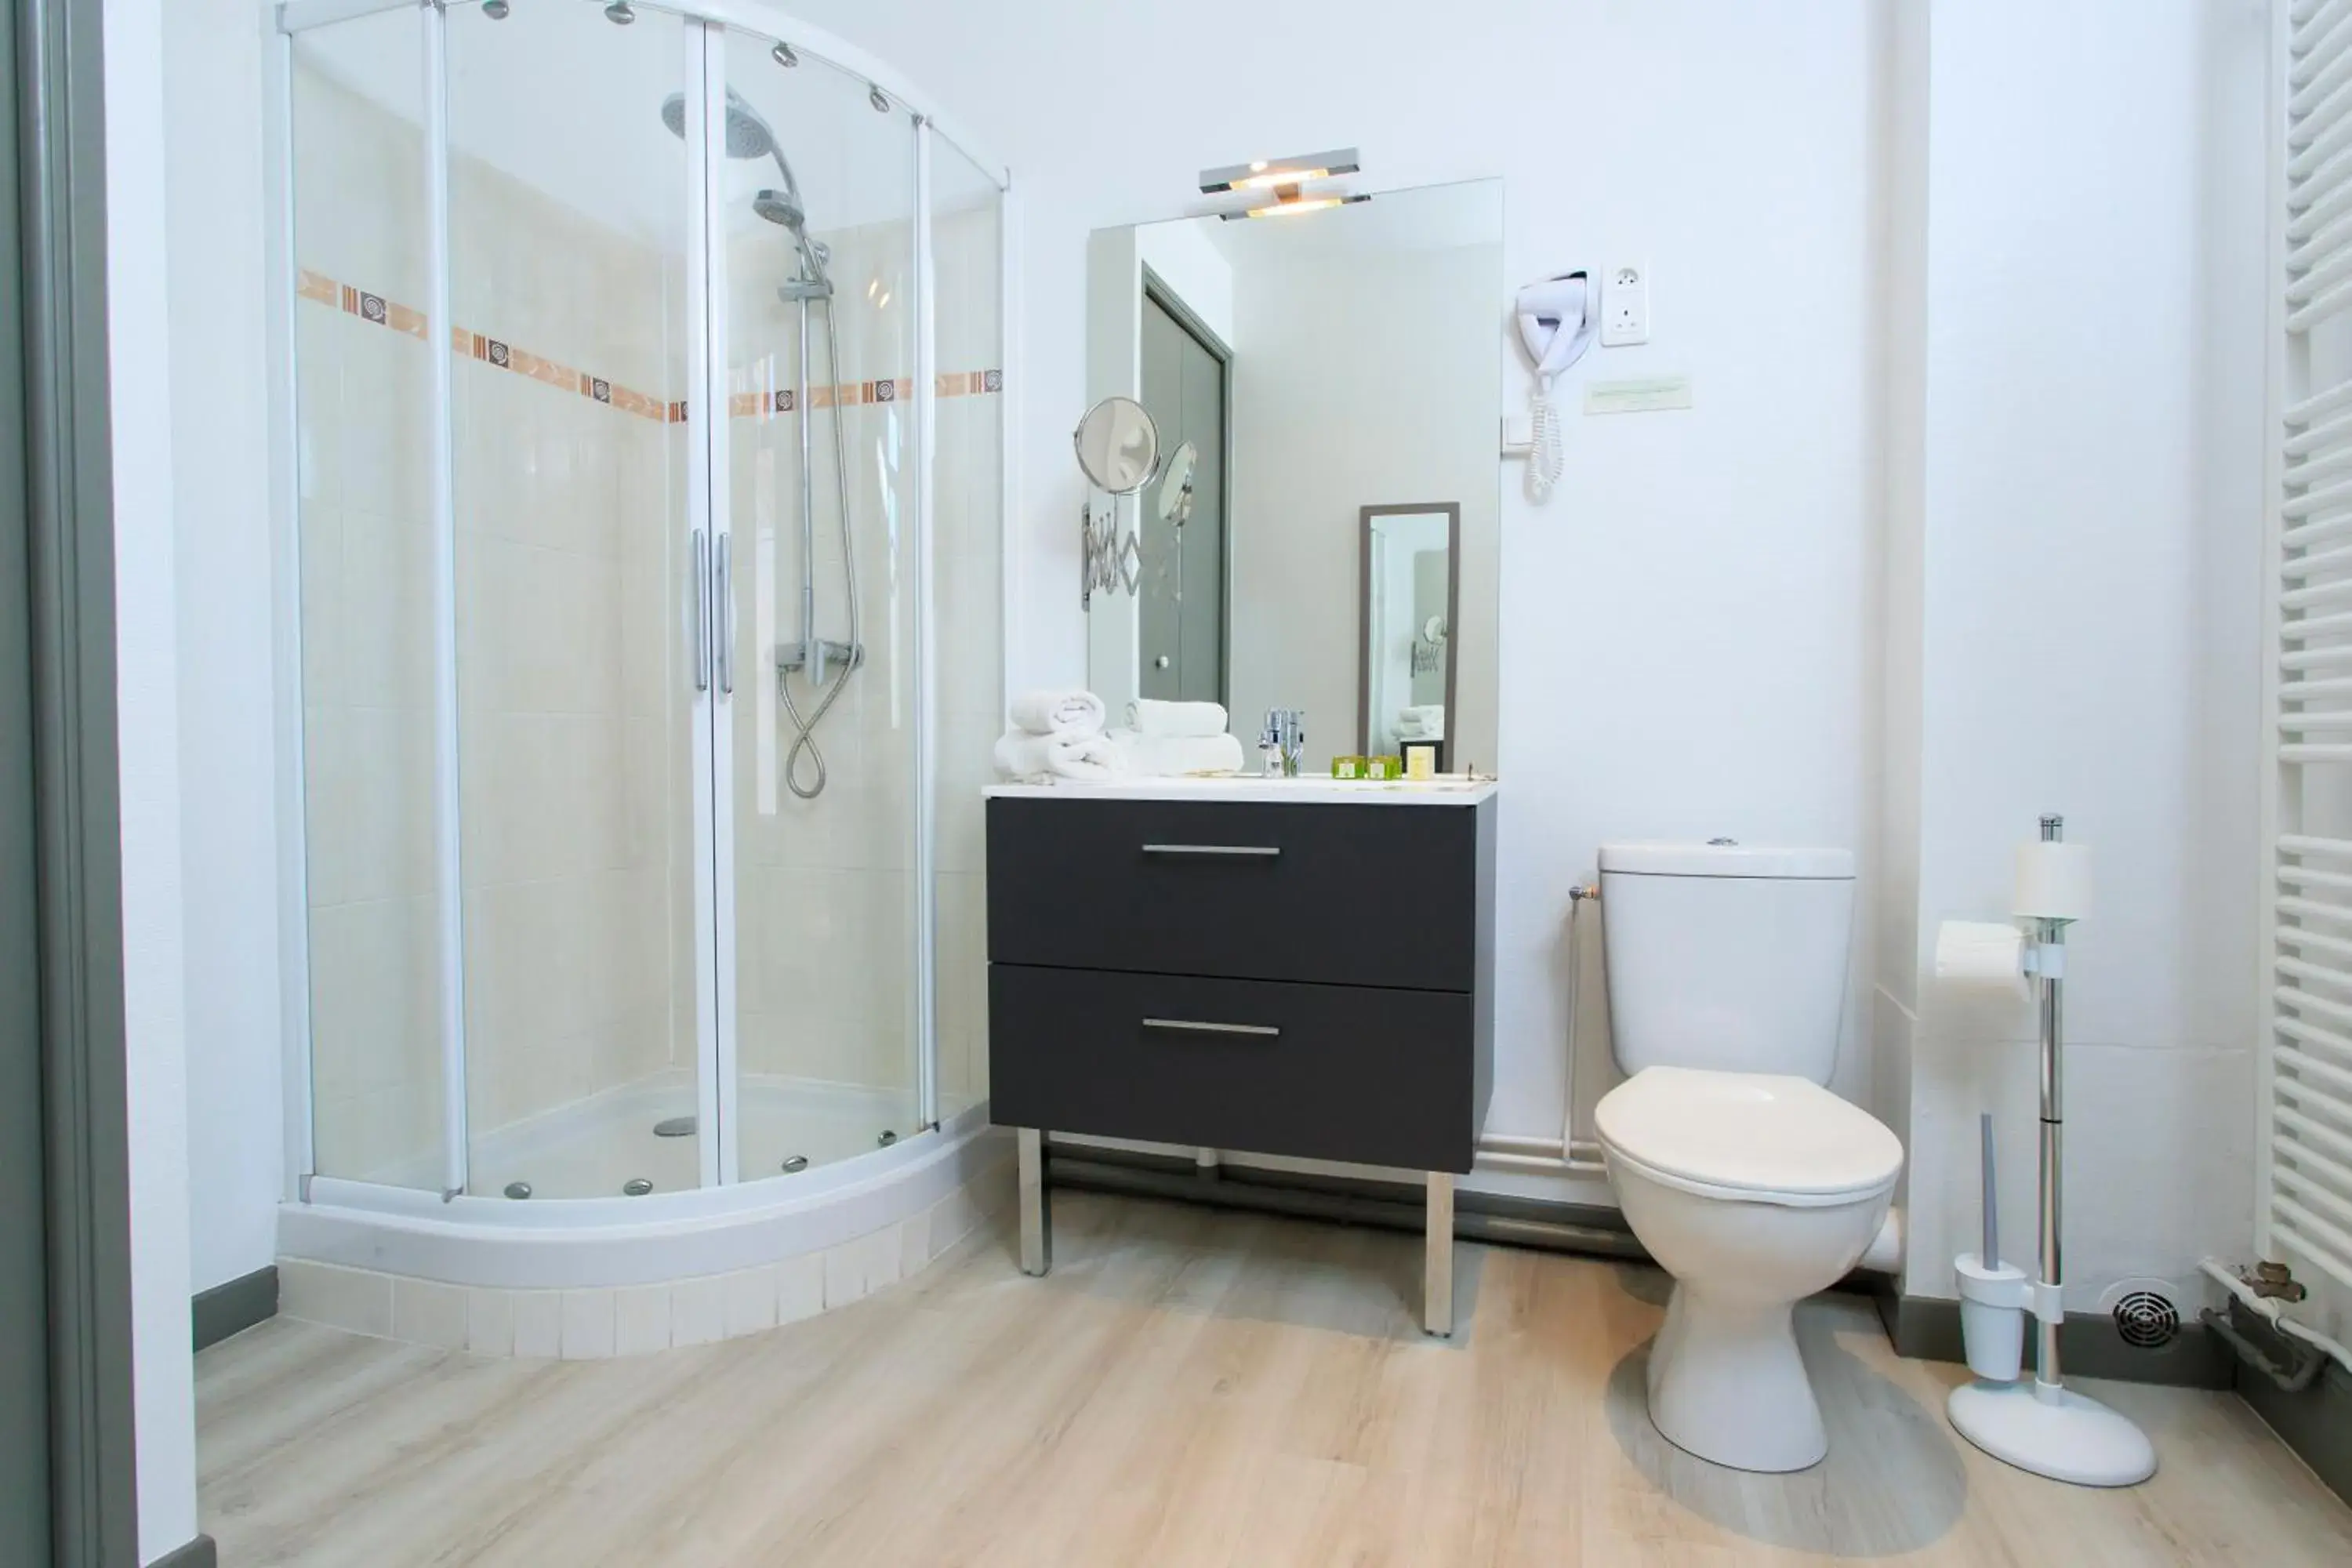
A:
(1316, 791)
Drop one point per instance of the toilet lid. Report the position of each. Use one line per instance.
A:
(1748, 1132)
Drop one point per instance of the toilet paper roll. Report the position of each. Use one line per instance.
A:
(1982, 953)
(2054, 881)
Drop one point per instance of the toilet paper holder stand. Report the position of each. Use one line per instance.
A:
(2041, 1425)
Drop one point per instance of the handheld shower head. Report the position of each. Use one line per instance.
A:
(782, 207)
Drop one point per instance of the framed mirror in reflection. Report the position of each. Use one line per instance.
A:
(1406, 606)
(1307, 378)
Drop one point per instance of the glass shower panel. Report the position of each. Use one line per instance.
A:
(817, 223)
(570, 215)
(967, 597)
(364, 424)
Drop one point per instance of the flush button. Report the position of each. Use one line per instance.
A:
(1723, 843)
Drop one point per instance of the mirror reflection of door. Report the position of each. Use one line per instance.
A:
(1180, 603)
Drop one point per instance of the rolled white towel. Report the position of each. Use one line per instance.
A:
(1148, 716)
(1173, 756)
(1064, 713)
(1037, 759)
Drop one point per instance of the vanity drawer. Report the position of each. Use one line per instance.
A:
(1341, 894)
(1379, 1076)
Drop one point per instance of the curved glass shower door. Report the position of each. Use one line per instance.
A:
(818, 741)
(572, 227)
(647, 679)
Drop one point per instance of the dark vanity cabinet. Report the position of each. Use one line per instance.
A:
(1310, 977)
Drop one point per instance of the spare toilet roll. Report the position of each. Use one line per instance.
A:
(1982, 953)
(2054, 881)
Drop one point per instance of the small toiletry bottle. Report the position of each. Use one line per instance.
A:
(1269, 746)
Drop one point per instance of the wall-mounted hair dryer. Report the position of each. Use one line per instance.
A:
(1557, 318)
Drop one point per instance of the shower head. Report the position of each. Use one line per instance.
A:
(747, 135)
(783, 208)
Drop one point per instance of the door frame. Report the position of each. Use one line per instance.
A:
(1158, 291)
(67, 480)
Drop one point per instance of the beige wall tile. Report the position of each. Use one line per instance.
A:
(800, 1287)
(699, 1310)
(539, 1324)
(351, 1299)
(641, 1319)
(751, 1301)
(428, 1312)
(587, 1331)
(490, 1322)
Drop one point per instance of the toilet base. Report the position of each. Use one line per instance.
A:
(1728, 1385)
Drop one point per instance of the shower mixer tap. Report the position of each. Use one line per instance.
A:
(792, 656)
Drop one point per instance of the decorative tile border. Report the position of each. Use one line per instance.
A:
(770, 404)
(636, 1320)
(491, 351)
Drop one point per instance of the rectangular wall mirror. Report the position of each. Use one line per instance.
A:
(1338, 377)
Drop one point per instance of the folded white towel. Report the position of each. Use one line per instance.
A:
(1065, 713)
(1423, 722)
(1039, 759)
(1173, 756)
(1147, 716)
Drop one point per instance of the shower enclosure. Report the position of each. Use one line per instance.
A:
(645, 455)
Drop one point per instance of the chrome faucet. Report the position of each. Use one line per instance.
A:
(1283, 741)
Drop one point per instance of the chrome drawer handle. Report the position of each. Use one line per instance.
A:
(1195, 1026)
(1268, 849)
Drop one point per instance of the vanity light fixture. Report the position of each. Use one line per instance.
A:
(1267, 173)
(1288, 203)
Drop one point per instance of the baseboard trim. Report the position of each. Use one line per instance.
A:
(199, 1552)
(1927, 1328)
(234, 1305)
(2316, 1424)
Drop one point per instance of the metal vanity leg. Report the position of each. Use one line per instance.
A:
(1036, 1210)
(1437, 1261)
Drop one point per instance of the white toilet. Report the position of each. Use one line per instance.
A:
(1748, 1181)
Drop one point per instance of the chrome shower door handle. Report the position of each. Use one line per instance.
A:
(701, 611)
(726, 615)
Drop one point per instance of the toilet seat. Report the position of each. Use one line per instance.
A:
(1747, 1137)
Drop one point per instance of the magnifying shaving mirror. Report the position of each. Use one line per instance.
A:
(1176, 484)
(1119, 445)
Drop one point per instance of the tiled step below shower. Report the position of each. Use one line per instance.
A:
(635, 1319)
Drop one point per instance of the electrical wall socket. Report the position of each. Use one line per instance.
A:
(1625, 306)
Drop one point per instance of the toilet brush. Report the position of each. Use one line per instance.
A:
(2045, 1427)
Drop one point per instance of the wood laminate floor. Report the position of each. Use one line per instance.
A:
(1188, 1387)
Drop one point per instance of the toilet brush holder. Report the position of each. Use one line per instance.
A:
(1992, 1317)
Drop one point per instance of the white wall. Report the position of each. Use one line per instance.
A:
(213, 211)
(1685, 642)
(2091, 497)
(146, 707)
